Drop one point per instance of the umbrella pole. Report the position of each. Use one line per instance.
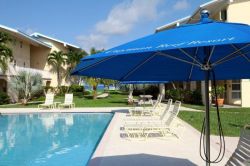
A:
(207, 118)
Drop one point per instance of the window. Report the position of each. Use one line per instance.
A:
(223, 15)
(236, 89)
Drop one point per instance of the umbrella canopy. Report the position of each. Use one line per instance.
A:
(143, 82)
(188, 52)
(178, 54)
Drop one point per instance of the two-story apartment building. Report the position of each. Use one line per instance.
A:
(30, 53)
(236, 91)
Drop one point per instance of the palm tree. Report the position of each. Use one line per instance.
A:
(94, 83)
(5, 51)
(57, 60)
(73, 58)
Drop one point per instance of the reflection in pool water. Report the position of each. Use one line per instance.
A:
(50, 139)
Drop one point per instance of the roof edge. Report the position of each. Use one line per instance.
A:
(36, 34)
(161, 28)
(24, 35)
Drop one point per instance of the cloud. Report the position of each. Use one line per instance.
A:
(181, 5)
(98, 41)
(121, 19)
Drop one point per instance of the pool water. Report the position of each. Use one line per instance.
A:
(50, 139)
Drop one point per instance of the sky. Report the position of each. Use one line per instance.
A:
(94, 23)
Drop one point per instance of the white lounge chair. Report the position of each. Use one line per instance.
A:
(68, 102)
(144, 128)
(154, 114)
(158, 100)
(241, 155)
(49, 101)
(140, 111)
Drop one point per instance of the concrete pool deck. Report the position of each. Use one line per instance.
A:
(114, 150)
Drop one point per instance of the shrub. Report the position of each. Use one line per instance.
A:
(152, 90)
(40, 98)
(187, 96)
(4, 98)
(137, 92)
(196, 97)
(76, 88)
(26, 85)
(175, 94)
(48, 88)
(38, 95)
(63, 90)
(87, 92)
(193, 97)
(79, 94)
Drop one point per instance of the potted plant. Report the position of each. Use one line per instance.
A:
(220, 95)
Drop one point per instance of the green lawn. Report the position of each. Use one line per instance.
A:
(115, 99)
(233, 119)
(201, 107)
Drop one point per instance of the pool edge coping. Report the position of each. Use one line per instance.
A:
(95, 160)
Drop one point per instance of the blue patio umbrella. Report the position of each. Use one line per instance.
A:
(186, 53)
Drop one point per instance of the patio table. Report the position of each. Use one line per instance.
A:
(145, 99)
(56, 104)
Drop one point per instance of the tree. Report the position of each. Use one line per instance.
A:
(95, 51)
(107, 82)
(57, 59)
(94, 82)
(73, 58)
(26, 85)
(5, 51)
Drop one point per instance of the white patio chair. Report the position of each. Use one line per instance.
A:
(162, 126)
(49, 101)
(68, 102)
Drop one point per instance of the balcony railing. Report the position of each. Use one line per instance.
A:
(13, 70)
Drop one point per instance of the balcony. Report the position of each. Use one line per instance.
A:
(13, 70)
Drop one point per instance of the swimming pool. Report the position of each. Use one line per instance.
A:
(50, 139)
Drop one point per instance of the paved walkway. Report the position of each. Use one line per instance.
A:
(114, 150)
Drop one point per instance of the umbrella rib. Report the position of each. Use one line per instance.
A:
(210, 55)
(93, 65)
(228, 59)
(137, 67)
(228, 56)
(225, 60)
(190, 56)
(191, 70)
(178, 59)
(242, 54)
